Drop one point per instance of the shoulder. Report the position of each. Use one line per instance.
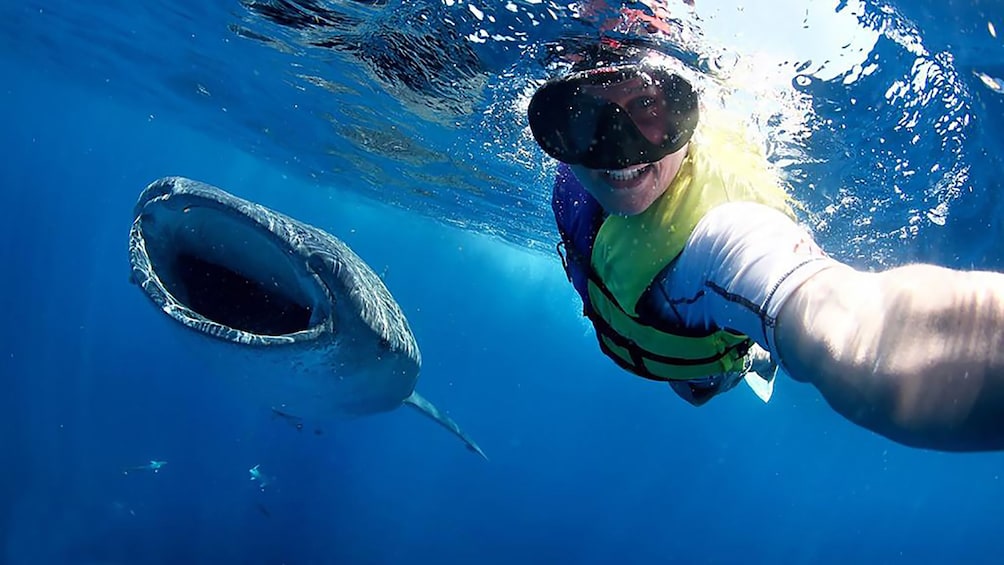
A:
(570, 201)
(726, 152)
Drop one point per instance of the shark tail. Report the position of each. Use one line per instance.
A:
(419, 403)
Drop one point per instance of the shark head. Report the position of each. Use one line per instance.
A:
(241, 273)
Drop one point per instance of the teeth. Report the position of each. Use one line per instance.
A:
(625, 174)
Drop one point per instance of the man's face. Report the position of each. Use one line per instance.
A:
(630, 191)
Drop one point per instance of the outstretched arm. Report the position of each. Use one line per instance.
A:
(915, 353)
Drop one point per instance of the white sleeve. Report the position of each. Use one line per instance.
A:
(739, 266)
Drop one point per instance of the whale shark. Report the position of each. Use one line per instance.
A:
(310, 326)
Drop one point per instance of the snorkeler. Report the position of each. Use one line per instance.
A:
(687, 258)
(154, 466)
(256, 475)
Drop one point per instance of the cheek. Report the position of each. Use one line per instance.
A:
(663, 181)
(589, 180)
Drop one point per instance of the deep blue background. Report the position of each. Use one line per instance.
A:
(587, 464)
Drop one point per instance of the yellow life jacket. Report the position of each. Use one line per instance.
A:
(630, 251)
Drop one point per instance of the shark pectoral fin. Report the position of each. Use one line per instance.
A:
(416, 401)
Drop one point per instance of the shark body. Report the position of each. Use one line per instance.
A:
(325, 335)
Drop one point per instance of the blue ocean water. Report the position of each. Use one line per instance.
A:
(396, 126)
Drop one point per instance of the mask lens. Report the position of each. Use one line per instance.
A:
(614, 118)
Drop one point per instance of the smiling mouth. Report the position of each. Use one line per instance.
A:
(626, 175)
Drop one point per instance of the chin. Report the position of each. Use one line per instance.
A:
(632, 209)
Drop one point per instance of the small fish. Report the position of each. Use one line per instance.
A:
(294, 421)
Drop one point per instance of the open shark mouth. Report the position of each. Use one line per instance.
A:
(218, 269)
